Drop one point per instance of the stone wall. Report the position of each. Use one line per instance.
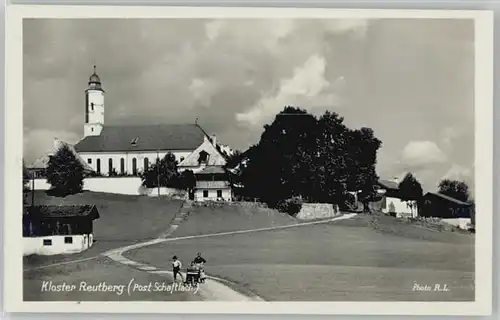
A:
(312, 211)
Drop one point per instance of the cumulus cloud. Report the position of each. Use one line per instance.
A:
(458, 172)
(307, 84)
(398, 77)
(422, 153)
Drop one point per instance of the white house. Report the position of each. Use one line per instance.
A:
(50, 230)
(128, 150)
(391, 201)
(212, 184)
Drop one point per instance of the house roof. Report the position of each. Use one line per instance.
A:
(65, 211)
(443, 196)
(212, 170)
(147, 138)
(389, 184)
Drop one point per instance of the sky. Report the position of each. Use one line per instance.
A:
(410, 80)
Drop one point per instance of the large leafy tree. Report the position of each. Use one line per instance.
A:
(455, 189)
(315, 159)
(163, 171)
(282, 162)
(65, 172)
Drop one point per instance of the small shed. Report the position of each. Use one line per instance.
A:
(212, 184)
(50, 229)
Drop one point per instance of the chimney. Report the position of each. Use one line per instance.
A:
(214, 140)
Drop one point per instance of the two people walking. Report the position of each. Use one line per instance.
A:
(197, 261)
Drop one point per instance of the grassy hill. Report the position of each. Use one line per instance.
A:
(213, 218)
(349, 260)
(123, 220)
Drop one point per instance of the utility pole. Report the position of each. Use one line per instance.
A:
(32, 189)
(158, 172)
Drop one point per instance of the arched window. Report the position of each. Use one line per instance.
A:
(98, 169)
(122, 166)
(146, 164)
(110, 166)
(134, 166)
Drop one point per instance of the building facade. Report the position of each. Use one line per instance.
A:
(212, 184)
(130, 150)
(51, 230)
(390, 200)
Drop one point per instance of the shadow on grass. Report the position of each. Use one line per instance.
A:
(58, 193)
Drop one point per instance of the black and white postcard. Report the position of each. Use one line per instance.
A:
(248, 160)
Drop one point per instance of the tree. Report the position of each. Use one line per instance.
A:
(318, 160)
(188, 181)
(163, 171)
(65, 172)
(455, 189)
(410, 190)
(281, 163)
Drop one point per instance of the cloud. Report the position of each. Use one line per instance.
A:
(408, 79)
(422, 153)
(458, 172)
(307, 84)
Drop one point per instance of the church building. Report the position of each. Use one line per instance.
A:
(112, 150)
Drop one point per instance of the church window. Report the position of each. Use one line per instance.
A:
(98, 169)
(110, 166)
(182, 159)
(92, 106)
(134, 141)
(134, 166)
(89, 161)
(122, 166)
(92, 129)
(146, 164)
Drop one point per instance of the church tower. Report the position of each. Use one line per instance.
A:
(94, 106)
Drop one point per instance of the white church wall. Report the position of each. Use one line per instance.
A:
(128, 159)
(116, 185)
(52, 245)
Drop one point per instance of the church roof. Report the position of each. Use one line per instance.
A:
(143, 138)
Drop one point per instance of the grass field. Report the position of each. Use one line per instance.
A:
(231, 217)
(123, 220)
(368, 258)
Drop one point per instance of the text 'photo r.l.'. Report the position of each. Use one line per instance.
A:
(264, 157)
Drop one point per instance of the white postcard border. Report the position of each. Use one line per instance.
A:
(13, 268)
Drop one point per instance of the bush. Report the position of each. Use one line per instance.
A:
(292, 206)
